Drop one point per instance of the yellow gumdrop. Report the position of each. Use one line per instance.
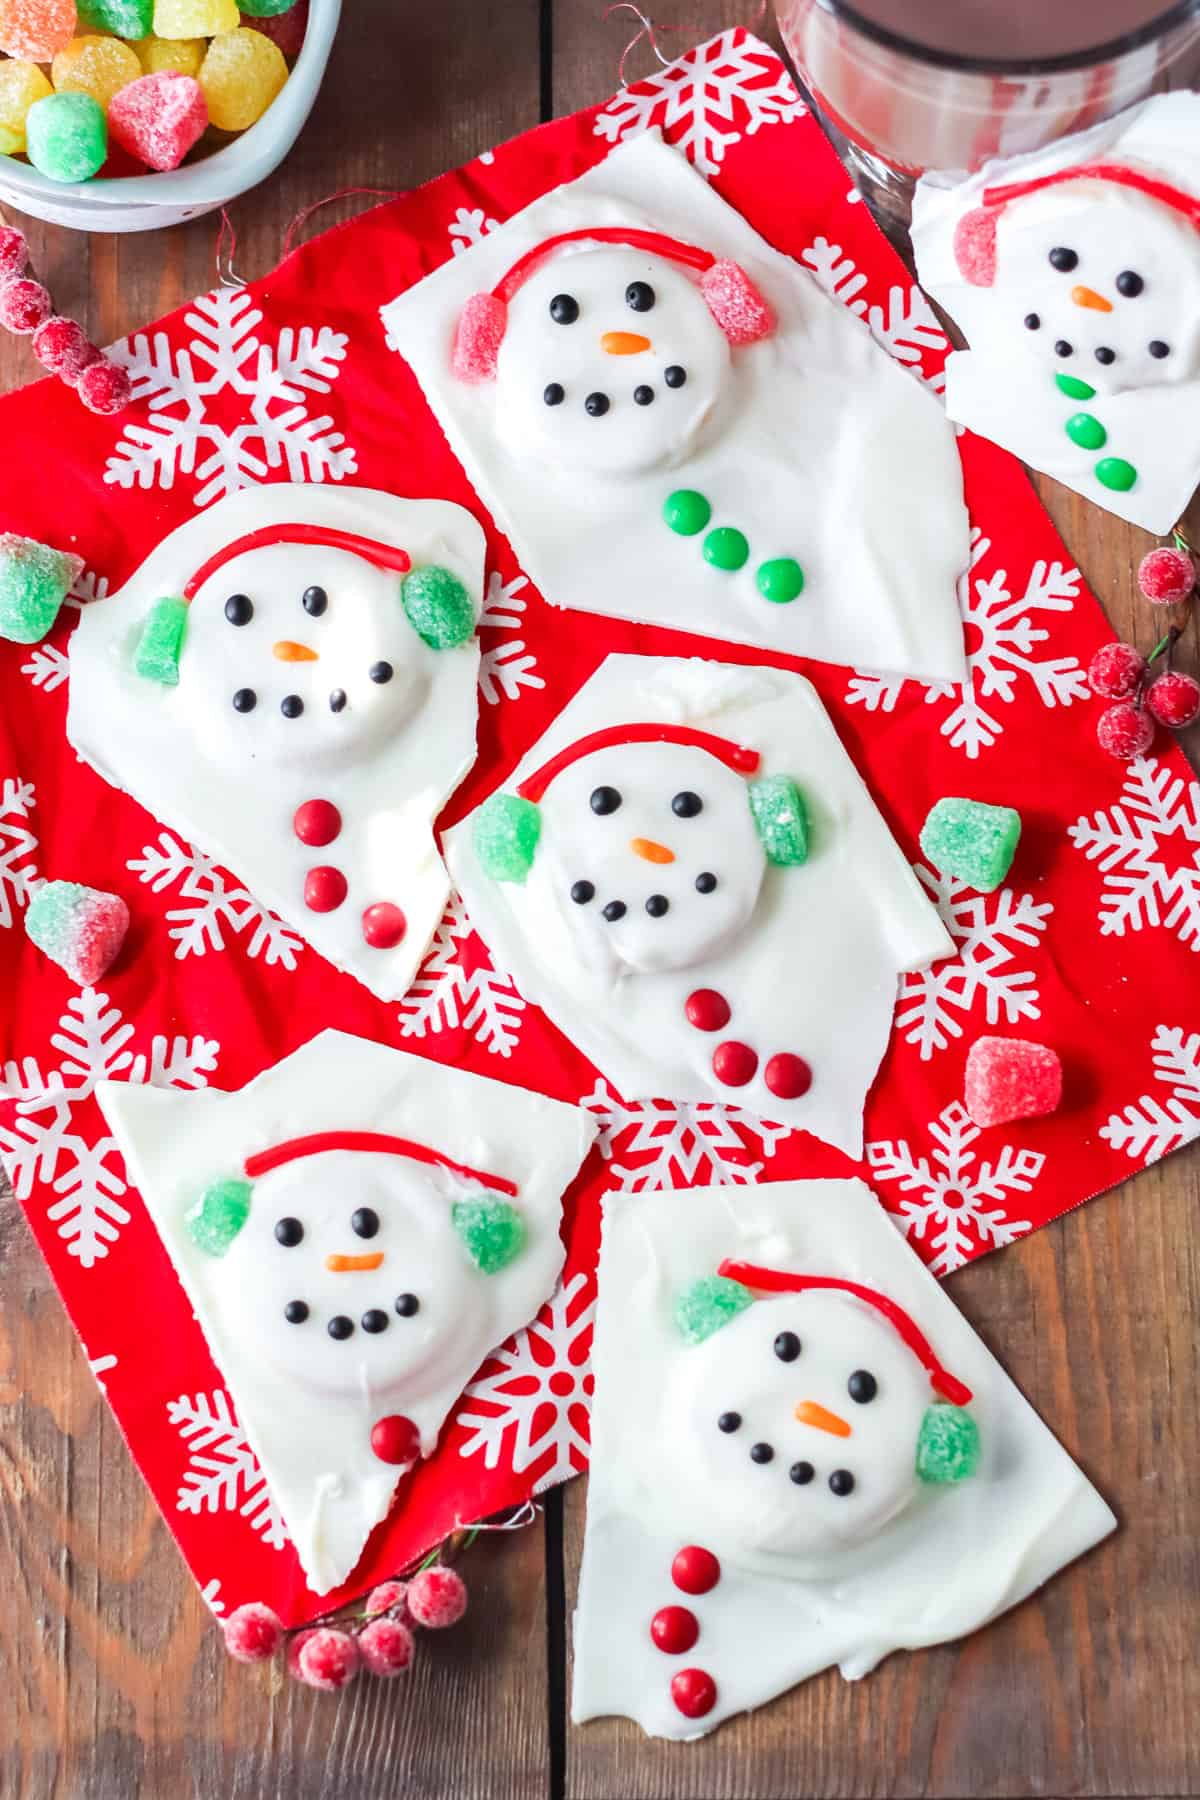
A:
(241, 75)
(99, 66)
(21, 83)
(178, 56)
(194, 18)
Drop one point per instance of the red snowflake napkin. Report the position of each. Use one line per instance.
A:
(1090, 946)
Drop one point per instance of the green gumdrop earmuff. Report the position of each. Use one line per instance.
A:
(219, 1214)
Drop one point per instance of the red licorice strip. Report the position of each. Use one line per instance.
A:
(776, 1281)
(384, 556)
(263, 1161)
(656, 242)
(1121, 173)
(734, 756)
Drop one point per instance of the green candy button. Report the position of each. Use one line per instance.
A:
(1073, 388)
(779, 580)
(1114, 472)
(726, 548)
(1086, 430)
(686, 511)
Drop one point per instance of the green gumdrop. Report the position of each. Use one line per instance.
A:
(972, 840)
(947, 1445)
(265, 9)
(780, 580)
(686, 511)
(131, 19)
(1111, 471)
(218, 1216)
(157, 655)
(707, 1305)
(34, 582)
(726, 548)
(1086, 430)
(438, 607)
(1073, 388)
(506, 835)
(781, 819)
(66, 136)
(492, 1231)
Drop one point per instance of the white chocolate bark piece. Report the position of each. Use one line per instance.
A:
(1080, 301)
(655, 924)
(301, 678)
(351, 1291)
(784, 1444)
(617, 384)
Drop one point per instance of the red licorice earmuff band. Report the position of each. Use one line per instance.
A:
(777, 1281)
(657, 243)
(380, 1142)
(734, 756)
(384, 556)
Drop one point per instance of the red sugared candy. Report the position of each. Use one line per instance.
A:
(477, 339)
(62, 347)
(285, 29)
(437, 1597)
(787, 1076)
(395, 1439)
(1011, 1078)
(14, 252)
(735, 303)
(325, 888)
(159, 117)
(385, 1646)
(389, 1597)
(975, 246)
(316, 822)
(707, 1010)
(328, 1659)
(694, 1692)
(80, 928)
(1125, 730)
(1115, 670)
(1174, 699)
(252, 1633)
(674, 1629)
(383, 925)
(23, 305)
(695, 1570)
(104, 387)
(734, 1063)
(1166, 575)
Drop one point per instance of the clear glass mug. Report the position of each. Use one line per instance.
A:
(899, 107)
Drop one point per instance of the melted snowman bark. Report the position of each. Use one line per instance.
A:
(793, 1489)
(323, 1221)
(629, 386)
(311, 731)
(1074, 273)
(659, 920)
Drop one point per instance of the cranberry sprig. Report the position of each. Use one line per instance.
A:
(1120, 673)
(60, 345)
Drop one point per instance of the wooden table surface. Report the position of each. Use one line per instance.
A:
(113, 1682)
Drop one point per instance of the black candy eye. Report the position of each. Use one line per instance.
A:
(1063, 260)
(381, 672)
(340, 1326)
(862, 1386)
(582, 892)
(762, 1453)
(787, 1346)
(1032, 322)
(841, 1483)
(604, 800)
(407, 1305)
(1130, 284)
(729, 1421)
(364, 1222)
(314, 601)
(686, 805)
(1157, 348)
(295, 1312)
(291, 706)
(801, 1473)
(554, 393)
(564, 309)
(640, 296)
(245, 700)
(706, 882)
(1105, 355)
(375, 1320)
(288, 1232)
(1062, 348)
(239, 609)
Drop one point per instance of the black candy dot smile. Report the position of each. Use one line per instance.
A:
(554, 393)
(613, 911)
(1032, 322)
(801, 1473)
(291, 706)
(1062, 348)
(706, 882)
(841, 1483)
(1105, 355)
(337, 700)
(762, 1453)
(375, 1320)
(1157, 348)
(596, 405)
(245, 700)
(407, 1305)
(340, 1327)
(582, 892)
(643, 396)
(729, 1421)
(674, 375)
(657, 905)
(295, 1312)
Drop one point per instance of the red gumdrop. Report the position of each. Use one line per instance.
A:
(324, 888)
(735, 303)
(62, 347)
(158, 117)
(316, 822)
(285, 29)
(14, 252)
(328, 1659)
(707, 1010)
(1166, 575)
(253, 1633)
(99, 934)
(695, 1570)
(383, 925)
(734, 1064)
(674, 1629)
(386, 1647)
(437, 1597)
(1125, 730)
(787, 1076)
(23, 305)
(975, 246)
(389, 1597)
(395, 1439)
(481, 326)
(104, 386)
(1115, 670)
(694, 1692)
(1174, 699)
(1011, 1078)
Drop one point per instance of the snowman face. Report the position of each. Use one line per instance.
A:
(799, 1424)
(349, 1274)
(1107, 291)
(610, 364)
(296, 655)
(650, 853)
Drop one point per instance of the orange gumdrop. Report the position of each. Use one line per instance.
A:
(37, 29)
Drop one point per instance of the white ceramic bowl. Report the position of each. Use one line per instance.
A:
(144, 202)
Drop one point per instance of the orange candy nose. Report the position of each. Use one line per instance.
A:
(624, 343)
(341, 1265)
(649, 851)
(287, 651)
(1086, 296)
(810, 1413)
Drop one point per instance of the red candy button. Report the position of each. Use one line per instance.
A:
(787, 1076)
(734, 1063)
(674, 1629)
(694, 1570)
(324, 889)
(707, 1010)
(317, 822)
(383, 925)
(694, 1692)
(395, 1439)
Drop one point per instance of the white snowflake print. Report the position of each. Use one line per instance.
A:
(704, 102)
(457, 988)
(47, 668)
(906, 328)
(222, 1473)
(210, 1593)
(42, 1144)
(1152, 1127)
(954, 1213)
(537, 1400)
(506, 668)
(211, 906)
(652, 1144)
(263, 388)
(988, 929)
(100, 1366)
(18, 848)
(469, 225)
(1147, 845)
(1004, 632)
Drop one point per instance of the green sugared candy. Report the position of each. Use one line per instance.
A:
(1086, 430)
(492, 1231)
(686, 511)
(34, 582)
(130, 19)
(781, 818)
(726, 548)
(158, 648)
(707, 1305)
(506, 835)
(947, 1445)
(972, 840)
(218, 1216)
(780, 580)
(1111, 471)
(1073, 388)
(438, 606)
(265, 9)
(66, 136)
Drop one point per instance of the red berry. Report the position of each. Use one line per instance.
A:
(389, 1597)
(61, 346)
(674, 1629)
(694, 1692)
(695, 1570)
(707, 1010)
(252, 1633)
(296, 1644)
(437, 1597)
(386, 1646)
(1174, 699)
(1166, 575)
(395, 1439)
(1115, 670)
(14, 252)
(733, 1063)
(1125, 730)
(23, 305)
(316, 822)
(328, 1659)
(104, 386)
